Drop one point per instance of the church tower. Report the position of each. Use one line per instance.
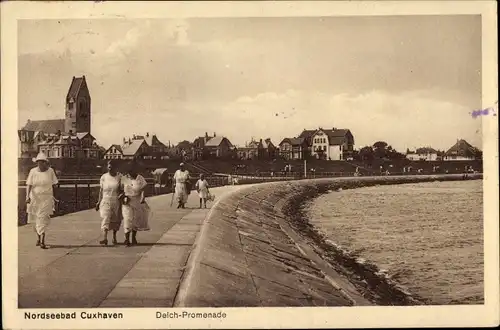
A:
(78, 114)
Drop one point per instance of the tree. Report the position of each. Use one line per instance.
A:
(366, 154)
(380, 145)
(382, 150)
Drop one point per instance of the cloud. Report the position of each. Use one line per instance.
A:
(178, 31)
(130, 40)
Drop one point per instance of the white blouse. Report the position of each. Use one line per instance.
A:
(42, 182)
(133, 187)
(110, 185)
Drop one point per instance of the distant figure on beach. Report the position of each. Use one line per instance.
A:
(108, 204)
(466, 172)
(135, 210)
(202, 189)
(41, 196)
(182, 186)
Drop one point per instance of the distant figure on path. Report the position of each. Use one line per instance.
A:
(202, 189)
(40, 196)
(135, 210)
(181, 182)
(108, 204)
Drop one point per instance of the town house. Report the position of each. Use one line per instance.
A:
(138, 147)
(262, 149)
(425, 153)
(462, 150)
(293, 148)
(329, 144)
(205, 147)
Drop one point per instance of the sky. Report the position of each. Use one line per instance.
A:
(411, 81)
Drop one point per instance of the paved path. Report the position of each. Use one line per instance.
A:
(77, 272)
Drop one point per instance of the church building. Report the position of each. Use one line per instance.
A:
(63, 138)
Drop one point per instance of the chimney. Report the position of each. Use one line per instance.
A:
(147, 134)
(58, 132)
(70, 132)
(124, 141)
(215, 134)
(333, 129)
(129, 141)
(133, 137)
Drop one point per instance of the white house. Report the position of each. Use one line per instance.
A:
(114, 152)
(426, 153)
(332, 144)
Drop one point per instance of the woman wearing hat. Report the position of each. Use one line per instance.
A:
(135, 210)
(40, 196)
(108, 204)
(181, 183)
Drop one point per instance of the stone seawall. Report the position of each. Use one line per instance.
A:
(256, 248)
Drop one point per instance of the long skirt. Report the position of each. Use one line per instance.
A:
(135, 215)
(111, 214)
(39, 211)
(181, 193)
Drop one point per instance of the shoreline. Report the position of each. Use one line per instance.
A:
(367, 277)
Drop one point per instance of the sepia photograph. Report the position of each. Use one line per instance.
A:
(185, 166)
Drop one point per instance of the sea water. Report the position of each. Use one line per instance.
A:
(427, 237)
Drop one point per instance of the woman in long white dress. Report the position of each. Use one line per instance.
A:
(181, 186)
(135, 210)
(40, 196)
(109, 205)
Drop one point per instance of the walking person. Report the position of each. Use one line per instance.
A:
(202, 189)
(135, 210)
(41, 196)
(181, 186)
(108, 204)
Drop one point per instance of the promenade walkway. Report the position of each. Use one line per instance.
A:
(249, 249)
(77, 272)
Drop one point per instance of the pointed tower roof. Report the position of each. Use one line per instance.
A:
(77, 83)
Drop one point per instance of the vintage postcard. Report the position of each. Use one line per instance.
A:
(185, 165)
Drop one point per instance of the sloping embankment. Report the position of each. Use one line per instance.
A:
(257, 249)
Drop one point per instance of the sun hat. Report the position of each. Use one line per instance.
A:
(182, 164)
(40, 157)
